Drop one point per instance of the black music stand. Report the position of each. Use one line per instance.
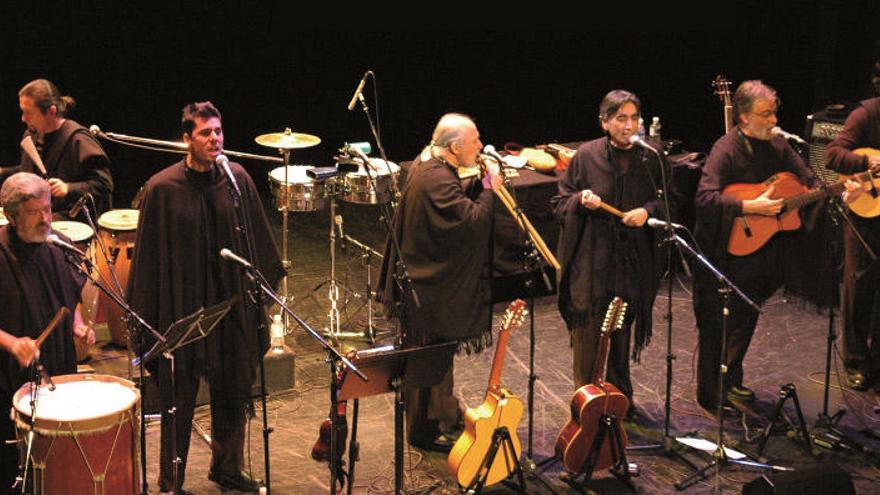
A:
(392, 372)
(181, 333)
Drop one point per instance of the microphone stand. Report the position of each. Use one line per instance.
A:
(36, 380)
(402, 280)
(243, 228)
(334, 358)
(720, 458)
(138, 321)
(668, 444)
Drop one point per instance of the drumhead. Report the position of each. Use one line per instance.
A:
(379, 167)
(79, 397)
(119, 219)
(76, 231)
(296, 174)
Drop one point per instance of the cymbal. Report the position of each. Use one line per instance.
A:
(288, 140)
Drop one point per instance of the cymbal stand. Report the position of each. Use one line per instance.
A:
(367, 257)
(285, 259)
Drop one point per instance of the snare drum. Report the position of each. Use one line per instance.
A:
(85, 435)
(118, 229)
(78, 232)
(300, 192)
(372, 188)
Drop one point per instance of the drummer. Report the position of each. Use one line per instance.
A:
(35, 281)
(61, 150)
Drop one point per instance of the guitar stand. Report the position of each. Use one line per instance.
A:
(608, 425)
(500, 441)
(787, 391)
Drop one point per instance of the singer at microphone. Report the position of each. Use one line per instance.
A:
(608, 192)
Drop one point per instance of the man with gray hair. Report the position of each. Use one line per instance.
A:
(36, 281)
(443, 226)
(748, 153)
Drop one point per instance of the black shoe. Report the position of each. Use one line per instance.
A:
(237, 481)
(441, 444)
(855, 379)
(739, 393)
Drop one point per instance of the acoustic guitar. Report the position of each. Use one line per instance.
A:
(867, 205)
(501, 408)
(750, 232)
(591, 402)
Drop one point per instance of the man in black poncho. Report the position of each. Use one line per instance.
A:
(36, 281)
(603, 256)
(187, 217)
(75, 162)
(444, 231)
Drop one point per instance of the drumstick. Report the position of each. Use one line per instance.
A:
(27, 145)
(62, 312)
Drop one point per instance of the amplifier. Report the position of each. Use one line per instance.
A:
(821, 128)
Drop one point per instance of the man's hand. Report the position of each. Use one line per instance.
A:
(24, 349)
(85, 333)
(763, 205)
(854, 188)
(590, 200)
(635, 217)
(58, 187)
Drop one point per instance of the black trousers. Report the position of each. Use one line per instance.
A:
(585, 349)
(8, 453)
(227, 426)
(860, 302)
(758, 275)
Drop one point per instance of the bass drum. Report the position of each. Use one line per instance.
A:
(85, 435)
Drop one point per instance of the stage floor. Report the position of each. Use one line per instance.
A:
(788, 347)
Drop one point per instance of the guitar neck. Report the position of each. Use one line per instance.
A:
(728, 118)
(498, 361)
(808, 197)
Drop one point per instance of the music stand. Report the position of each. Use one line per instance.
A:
(392, 372)
(181, 333)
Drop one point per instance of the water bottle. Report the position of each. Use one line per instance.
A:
(641, 131)
(654, 130)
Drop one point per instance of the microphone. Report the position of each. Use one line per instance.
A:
(661, 224)
(57, 242)
(358, 91)
(223, 162)
(230, 256)
(95, 130)
(777, 131)
(78, 206)
(490, 150)
(637, 140)
(358, 152)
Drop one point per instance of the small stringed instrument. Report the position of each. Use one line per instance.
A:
(722, 89)
(539, 159)
(563, 155)
(501, 408)
(591, 402)
(321, 449)
(750, 232)
(867, 205)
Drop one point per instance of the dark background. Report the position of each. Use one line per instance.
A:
(536, 77)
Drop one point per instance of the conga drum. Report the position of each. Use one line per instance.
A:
(118, 229)
(85, 435)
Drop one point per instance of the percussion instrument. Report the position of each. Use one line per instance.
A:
(299, 192)
(287, 140)
(85, 435)
(370, 188)
(79, 233)
(118, 229)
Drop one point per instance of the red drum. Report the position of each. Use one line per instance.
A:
(118, 229)
(85, 435)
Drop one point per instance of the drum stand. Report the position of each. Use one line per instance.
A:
(367, 256)
(334, 330)
(285, 259)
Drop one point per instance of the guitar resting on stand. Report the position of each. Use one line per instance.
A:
(594, 439)
(488, 450)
